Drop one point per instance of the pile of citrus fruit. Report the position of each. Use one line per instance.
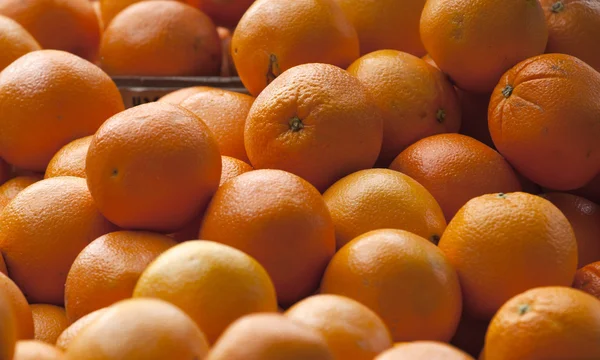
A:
(401, 180)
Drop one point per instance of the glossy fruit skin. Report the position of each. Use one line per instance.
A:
(404, 278)
(352, 330)
(153, 167)
(276, 35)
(43, 229)
(37, 350)
(232, 167)
(148, 329)
(20, 307)
(49, 321)
(8, 328)
(196, 284)
(182, 41)
(455, 169)
(71, 100)
(12, 187)
(431, 350)
(504, 244)
(573, 28)
(280, 220)
(541, 128)
(270, 337)
(15, 41)
(70, 159)
(545, 323)
(475, 42)
(587, 279)
(316, 121)
(73, 26)
(107, 270)
(416, 99)
(65, 338)
(225, 113)
(381, 198)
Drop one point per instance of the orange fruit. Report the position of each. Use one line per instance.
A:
(470, 335)
(43, 229)
(455, 169)
(36, 350)
(270, 337)
(70, 101)
(404, 278)
(49, 322)
(18, 303)
(381, 198)
(15, 41)
(315, 121)
(546, 323)
(232, 167)
(281, 221)
(110, 8)
(588, 279)
(225, 114)
(430, 350)
(12, 187)
(70, 159)
(153, 167)
(73, 24)
(224, 13)
(475, 42)
(504, 244)
(416, 99)
(541, 128)
(107, 270)
(8, 328)
(65, 338)
(182, 41)
(584, 217)
(352, 330)
(378, 23)
(276, 35)
(474, 110)
(145, 328)
(573, 28)
(177, 96)
(192, 275)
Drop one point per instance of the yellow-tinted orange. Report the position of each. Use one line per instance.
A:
(15, 41)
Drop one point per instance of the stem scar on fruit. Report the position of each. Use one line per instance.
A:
(440, 116)
(296, 124)
(523, 309)
(507, 91)
(273, 71)
(557, 7)
(115, 172)
(502, 195)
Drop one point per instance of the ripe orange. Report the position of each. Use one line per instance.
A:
(573, 28)
(8, 328)
(232, 167)
(352, 330)
(315, 121)
(504, 244)
(475, 42)
(270, 337)
(381, 198)
(474, 110)
(18, 303)
(153, 167)
(404, 278)
(213, 283)
(12, 187)
(107, 270)
(181, 41)
(546, 323)
(49, 322)
(416, 99)
(147, 329)
(276, 35)
(65, 338)
(177, 96)
(548, 134)
(110, 8)
(36, 350)
(588, 279)
(225, 114)
(430, 350)
(456, 168)
(71, 100)
(584, 217)
(70, 159)
(68, 25)
(15, 41)
(223, 12)
(281, 221)
(378, 23)
(43, 229)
